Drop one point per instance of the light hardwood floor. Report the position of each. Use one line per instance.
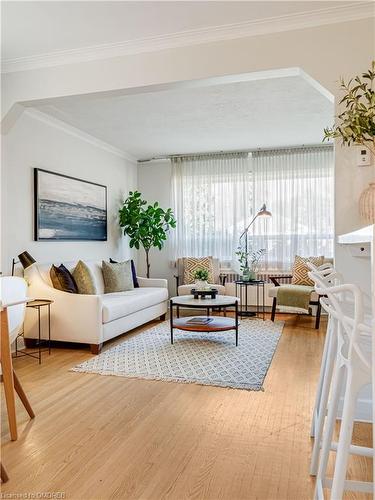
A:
(98, 437)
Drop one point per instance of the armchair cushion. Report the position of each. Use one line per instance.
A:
(192, 264)
(300, 269)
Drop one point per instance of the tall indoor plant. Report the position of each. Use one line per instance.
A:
(146, 225)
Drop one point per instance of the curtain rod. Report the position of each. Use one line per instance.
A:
(256, 150)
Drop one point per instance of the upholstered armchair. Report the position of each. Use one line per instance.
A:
(183, 288)
(286, 279)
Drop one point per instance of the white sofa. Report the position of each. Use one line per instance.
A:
(93, 319)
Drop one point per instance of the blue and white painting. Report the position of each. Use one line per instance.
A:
(69, 209)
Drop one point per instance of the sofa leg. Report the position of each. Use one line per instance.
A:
(162, 317)
(96, 348)
(273, 312)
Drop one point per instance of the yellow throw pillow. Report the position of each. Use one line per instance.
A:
(192, 264)
(300, 269)
(84, 279)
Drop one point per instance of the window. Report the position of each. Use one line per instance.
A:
(214, 197)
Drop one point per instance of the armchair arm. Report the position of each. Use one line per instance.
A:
(275, 279)
(152, 282)
(177, 282)
(222, 278)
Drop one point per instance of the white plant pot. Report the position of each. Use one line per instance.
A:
(201, 285)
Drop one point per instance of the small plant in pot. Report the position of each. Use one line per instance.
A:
(201, 277)
(249, 262)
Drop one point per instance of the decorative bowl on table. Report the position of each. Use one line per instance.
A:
(209, 292)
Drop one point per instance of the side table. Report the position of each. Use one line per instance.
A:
(241, 293)
(38, 304)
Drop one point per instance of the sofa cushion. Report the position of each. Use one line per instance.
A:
(186, 289)
(134, 272)
(120, 304)
(85, 279)
(117, 276)
(62, 279)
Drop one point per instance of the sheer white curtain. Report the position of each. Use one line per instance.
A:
(211, 199)
(297, 186)
(215, 197)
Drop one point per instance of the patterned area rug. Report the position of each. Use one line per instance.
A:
(200, 358)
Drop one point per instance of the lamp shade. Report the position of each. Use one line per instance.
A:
(26, 259)
(263, 212)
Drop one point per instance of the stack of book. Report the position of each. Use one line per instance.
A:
(200, 320)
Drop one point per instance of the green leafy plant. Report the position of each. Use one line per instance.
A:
(146, 225)
(201, 274)
(249, 260)
(356, 124)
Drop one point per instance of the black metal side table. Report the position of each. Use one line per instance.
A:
(241, 293)
(38, 304)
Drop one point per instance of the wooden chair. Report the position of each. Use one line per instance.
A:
(314, 301)
(12, 306)
(286, 279)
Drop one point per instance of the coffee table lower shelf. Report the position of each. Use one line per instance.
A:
(217, 324)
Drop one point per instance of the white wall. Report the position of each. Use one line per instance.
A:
(34, 143)
(154, 182)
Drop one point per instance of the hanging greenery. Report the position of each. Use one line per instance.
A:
(356, 124)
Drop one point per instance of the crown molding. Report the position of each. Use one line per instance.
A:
(75, 132)
(330, 15)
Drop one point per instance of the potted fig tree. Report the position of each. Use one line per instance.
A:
(146, 224)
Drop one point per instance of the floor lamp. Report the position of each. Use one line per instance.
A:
(263, 212)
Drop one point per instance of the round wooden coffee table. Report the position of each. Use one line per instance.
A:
(204, 323)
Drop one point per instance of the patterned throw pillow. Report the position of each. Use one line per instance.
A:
(134, 272)
(192, 264)
(62, 279)
(84, 279)
(117, 276)
(300, 269)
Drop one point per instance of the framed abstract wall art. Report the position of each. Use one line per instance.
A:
(67, 208)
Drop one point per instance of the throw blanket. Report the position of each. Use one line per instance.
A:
(294, 297)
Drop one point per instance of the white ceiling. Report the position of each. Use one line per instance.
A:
(270, 112)
(31, 28)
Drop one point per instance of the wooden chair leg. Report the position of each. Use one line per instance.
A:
(273, 312)
(22, 395)
(318, 312)
(7, 369)
(3, 474)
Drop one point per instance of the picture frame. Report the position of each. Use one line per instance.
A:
(68, 208)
